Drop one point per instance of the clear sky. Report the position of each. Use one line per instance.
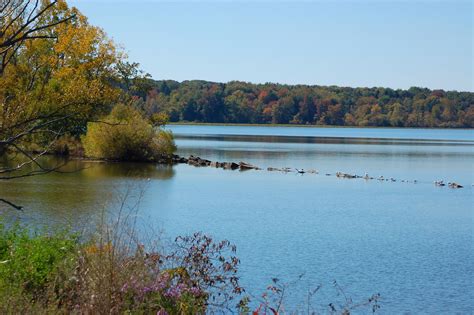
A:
(394, 44)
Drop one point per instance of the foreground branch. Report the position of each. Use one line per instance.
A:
(11, 204)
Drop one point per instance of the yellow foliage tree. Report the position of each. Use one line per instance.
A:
(53, 80)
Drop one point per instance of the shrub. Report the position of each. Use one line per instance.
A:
(28, 261)
(127, 136)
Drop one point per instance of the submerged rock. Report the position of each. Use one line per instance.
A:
(197, 161)
(230, 166)
(179, 159)
(216, 164)
(200, 162)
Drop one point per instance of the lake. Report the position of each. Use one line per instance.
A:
(412, 242)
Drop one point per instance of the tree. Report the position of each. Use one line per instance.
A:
(20, 22)
(133, 80)
(395, 116)
(212, 104)
(55, 84)
(25, 20)
(306, 109)
(283, 111)
(238, 108)
(57, 73)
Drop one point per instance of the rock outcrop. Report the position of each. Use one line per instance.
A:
(246, 166)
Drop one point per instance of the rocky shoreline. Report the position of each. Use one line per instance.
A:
(244, 166)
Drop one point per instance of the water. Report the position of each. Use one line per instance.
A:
(412, 242)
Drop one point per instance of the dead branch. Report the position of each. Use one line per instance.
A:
(11, 204)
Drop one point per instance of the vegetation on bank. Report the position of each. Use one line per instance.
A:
(56, 273)
(242, 102)
(126, 135)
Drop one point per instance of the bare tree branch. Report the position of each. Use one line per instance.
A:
(11, 204)
(23, 20)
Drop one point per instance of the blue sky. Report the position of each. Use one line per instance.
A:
(394, 44)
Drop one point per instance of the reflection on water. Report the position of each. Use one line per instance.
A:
(317, 139)
(78, 191)
(126, 170)
(327, 132)
(410, 242)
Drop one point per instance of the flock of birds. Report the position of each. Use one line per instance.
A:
(439, 183)
(246, 166)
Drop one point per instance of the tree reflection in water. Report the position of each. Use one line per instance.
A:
(77, 194)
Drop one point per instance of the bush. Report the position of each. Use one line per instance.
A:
(29, 261)
(127, 136)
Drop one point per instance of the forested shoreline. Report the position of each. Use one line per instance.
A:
(248, 103)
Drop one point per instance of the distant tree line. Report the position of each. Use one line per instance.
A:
(241, 102)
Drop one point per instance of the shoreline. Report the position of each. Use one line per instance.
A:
(186, 123)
